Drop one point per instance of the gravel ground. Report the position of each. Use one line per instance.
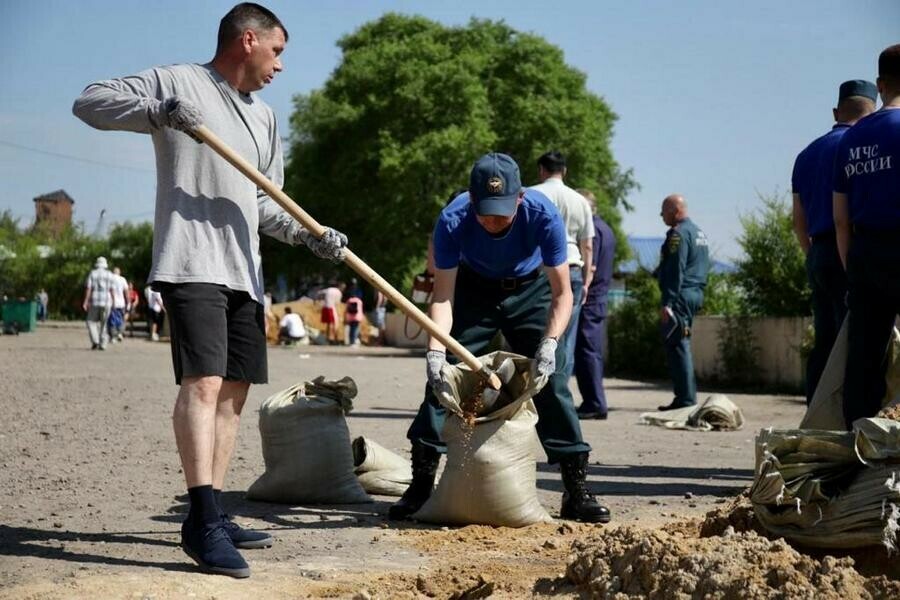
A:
(91, 494)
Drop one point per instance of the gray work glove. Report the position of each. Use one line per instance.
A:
(434, 362)
(545, 357)
(178, 113)
(330, 246)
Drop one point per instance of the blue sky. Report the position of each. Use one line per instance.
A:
(715, 98)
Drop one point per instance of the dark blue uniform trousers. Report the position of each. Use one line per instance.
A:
(589, 356)
(873, 281)
(828, 283)
(678, 349)
(481, 309)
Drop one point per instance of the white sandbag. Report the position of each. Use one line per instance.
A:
(379, 470)
(826, 409)
(716, 413)
(830, 489)
(306, 446)
(491, 473)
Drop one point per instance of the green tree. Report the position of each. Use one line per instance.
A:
(377, 151)
(723, 296)
(773, 272)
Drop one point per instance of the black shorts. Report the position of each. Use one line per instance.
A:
(215, 331)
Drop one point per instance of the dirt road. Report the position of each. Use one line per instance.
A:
(91, 494)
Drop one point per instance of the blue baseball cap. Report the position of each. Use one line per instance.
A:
(858, 87)
(494, 185)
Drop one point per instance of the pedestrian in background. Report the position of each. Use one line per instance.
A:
(592, 323)
(116, 322)
(43, 300)
(867, 220)
(813, 215)
(682, 273)
(331, 296)
(134, 300)
(576, 216)
(353, 315)
(98, 302)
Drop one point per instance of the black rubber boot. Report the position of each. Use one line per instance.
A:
(425, 461)
(578, 503)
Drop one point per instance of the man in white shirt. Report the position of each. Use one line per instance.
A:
(576, 215)
(290, 328)
(116, 322)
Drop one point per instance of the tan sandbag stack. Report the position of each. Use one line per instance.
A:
(306, 445)
(490, 477)
(830, 489)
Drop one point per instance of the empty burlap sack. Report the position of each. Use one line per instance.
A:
(379, 470)
(716, 413)
(306, 445)
(490, 476)
(826, 410)
(811, 486)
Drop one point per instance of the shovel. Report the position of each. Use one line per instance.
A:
(354, 262)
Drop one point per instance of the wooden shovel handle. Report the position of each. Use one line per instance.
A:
(352, 260)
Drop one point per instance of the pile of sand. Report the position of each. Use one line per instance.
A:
(722, 557)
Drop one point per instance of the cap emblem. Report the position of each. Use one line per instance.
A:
(495, 185)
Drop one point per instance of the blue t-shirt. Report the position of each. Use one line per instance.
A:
(537, 235)
(866, 169)
(813, 177)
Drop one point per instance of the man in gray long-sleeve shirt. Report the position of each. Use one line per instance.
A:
(206, 257)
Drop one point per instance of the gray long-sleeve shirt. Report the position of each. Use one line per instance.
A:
(208, 215)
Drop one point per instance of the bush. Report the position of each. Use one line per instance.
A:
(773, 274)
(635, 346)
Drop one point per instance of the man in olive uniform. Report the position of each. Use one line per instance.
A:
(867, 220)
(682, 272)
(811, 181)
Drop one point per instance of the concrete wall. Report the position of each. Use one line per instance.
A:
(778, 340)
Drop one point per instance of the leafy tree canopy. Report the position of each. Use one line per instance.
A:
(773, 272)
(379, 149)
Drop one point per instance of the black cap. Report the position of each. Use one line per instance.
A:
(858, 87)
(494, 185)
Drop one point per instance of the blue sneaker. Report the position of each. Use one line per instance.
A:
(213, 550)
(245, 538)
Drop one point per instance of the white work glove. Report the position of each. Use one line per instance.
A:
(545, 357)
(434, 363)
(330, 246)
(177, 113)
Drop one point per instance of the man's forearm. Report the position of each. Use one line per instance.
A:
(799, 220)
(841, 225)
(442, 315)
(587, 256)
(560, 313)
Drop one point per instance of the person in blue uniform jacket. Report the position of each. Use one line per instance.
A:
(591, 326)
(682, 272)
(867, 220)
(501, 265)
(811, 184)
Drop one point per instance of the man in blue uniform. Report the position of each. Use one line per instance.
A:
(814, 224)
(591, 326)
(501, 265)
(867, 220)
(682, 272)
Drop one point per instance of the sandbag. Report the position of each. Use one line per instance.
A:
(830, 489)
(491, 473)
(826, 409)
(716, 413)
(306, 445)
(379, 470)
